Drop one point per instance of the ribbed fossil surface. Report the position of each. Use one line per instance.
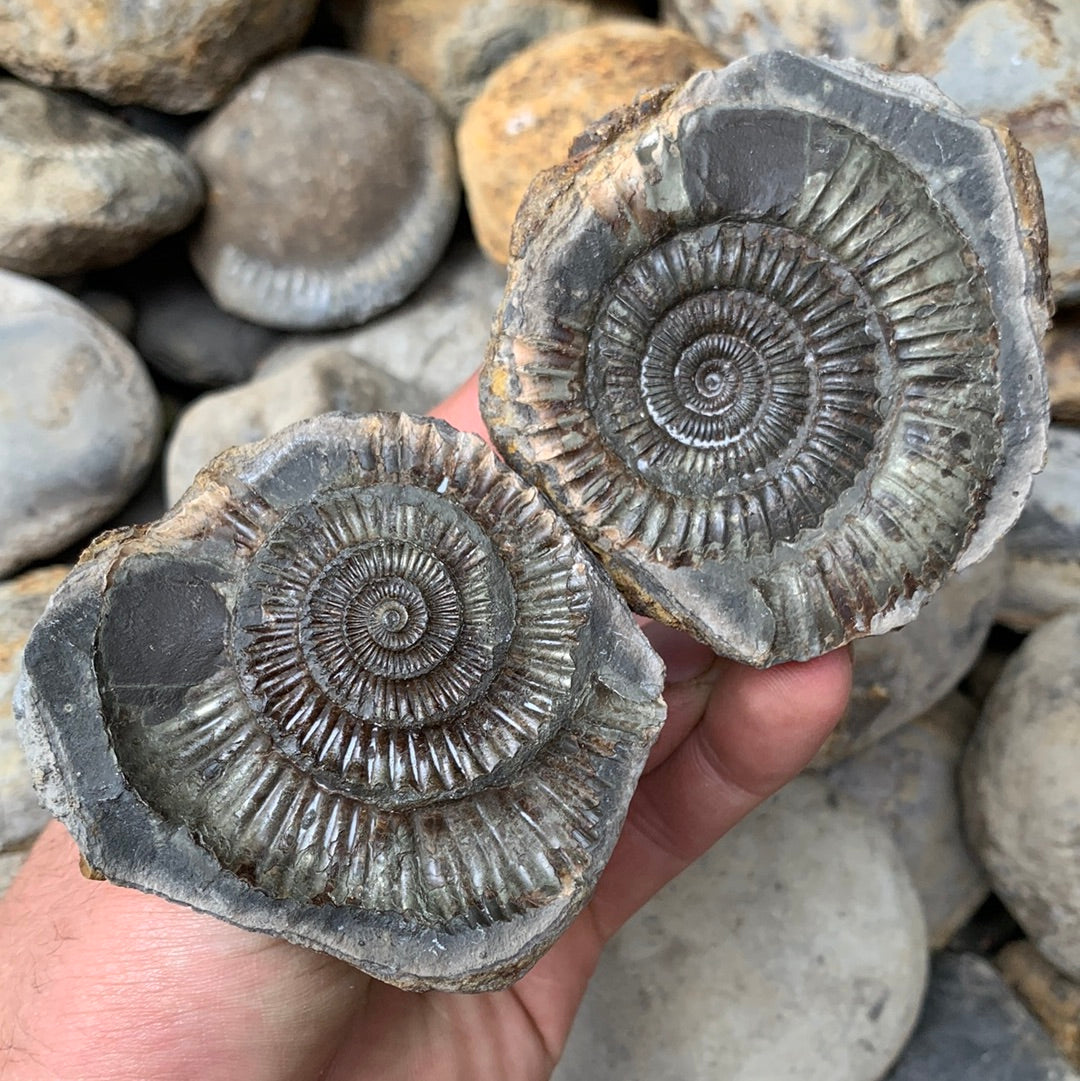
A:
(362, 688)
(770, 342)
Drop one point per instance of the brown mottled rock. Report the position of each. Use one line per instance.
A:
(1021, 789)
(1019, 63)
(909, 780)
(176, 55)
(79, 189)
(899, 675)
(533, 107)
(22, 600)
(1043, 574)
(877, 31)
(1052, 998)
(332, 192)
(1062, 348)
(80, 421)
(451, 46)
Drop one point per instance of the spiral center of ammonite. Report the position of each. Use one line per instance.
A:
(390, 612)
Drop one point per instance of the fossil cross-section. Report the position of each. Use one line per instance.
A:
(362, 689)
(770, 342)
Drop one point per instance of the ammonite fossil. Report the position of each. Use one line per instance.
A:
(362, 689)
(770, 342)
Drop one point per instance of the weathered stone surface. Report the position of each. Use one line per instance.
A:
(175, 55)
(973, 1029)
(433, 342)
(1043, 574)
(79, 189)
(532, 108)
(1022, 789)
(79, 421)
(899, 675)
(22, 600)
(451, 46)
(909, 780)
(1038, 45)
(321, 382)
(332, 192)
(1062, 348)
(183, 334)
(772, 481)
(794, 948)
(366, 627)
(1053, 999)
(877, 31)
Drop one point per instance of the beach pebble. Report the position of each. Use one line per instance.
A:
(79, 189)
(184, 335)
(899, 675)
(332, 192)
(22, 600)
(973, 1028)
(305, 388)
(80, 421)
(177, 55)
(532, 108)
(1062, 349)
(433, 342)
(1043, 574)
(909, 780)
(1052, 998)
(450, 47)
(795, 948)
(1019, 63)
(1021, 789)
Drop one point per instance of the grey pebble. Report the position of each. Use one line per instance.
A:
(973, 1028)
(794, 949)
(80, 421)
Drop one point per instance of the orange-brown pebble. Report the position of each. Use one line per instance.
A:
(451, 46)
(1051, 997)
(532, 107)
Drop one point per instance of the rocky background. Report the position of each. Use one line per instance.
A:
(251, 213)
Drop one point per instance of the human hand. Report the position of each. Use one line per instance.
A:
(100, 982)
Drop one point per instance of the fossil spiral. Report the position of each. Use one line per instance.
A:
(362, 688)
(770, 343)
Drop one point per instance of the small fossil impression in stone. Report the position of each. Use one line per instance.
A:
(362, 689)
(771, 343)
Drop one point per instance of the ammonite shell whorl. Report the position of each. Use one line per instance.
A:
(770, 342)
(363, 689)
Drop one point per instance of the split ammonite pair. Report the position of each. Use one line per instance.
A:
(770, 349)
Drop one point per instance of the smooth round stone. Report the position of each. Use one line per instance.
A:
(973, 1028)
(332, 192)
(532, 108)
(1043, 576)
(184, 335)
(1052, 998)
(899, 675)
(1021, 789)
(80, 422)
(877, 31)
(305, 388)
(433, 342)
(1062, 350)
(795, 948)
(450, 47)
(176, 55)
(1019, 63)
(908, 780)
(22, 600)
(116, 310)
(80, 190)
